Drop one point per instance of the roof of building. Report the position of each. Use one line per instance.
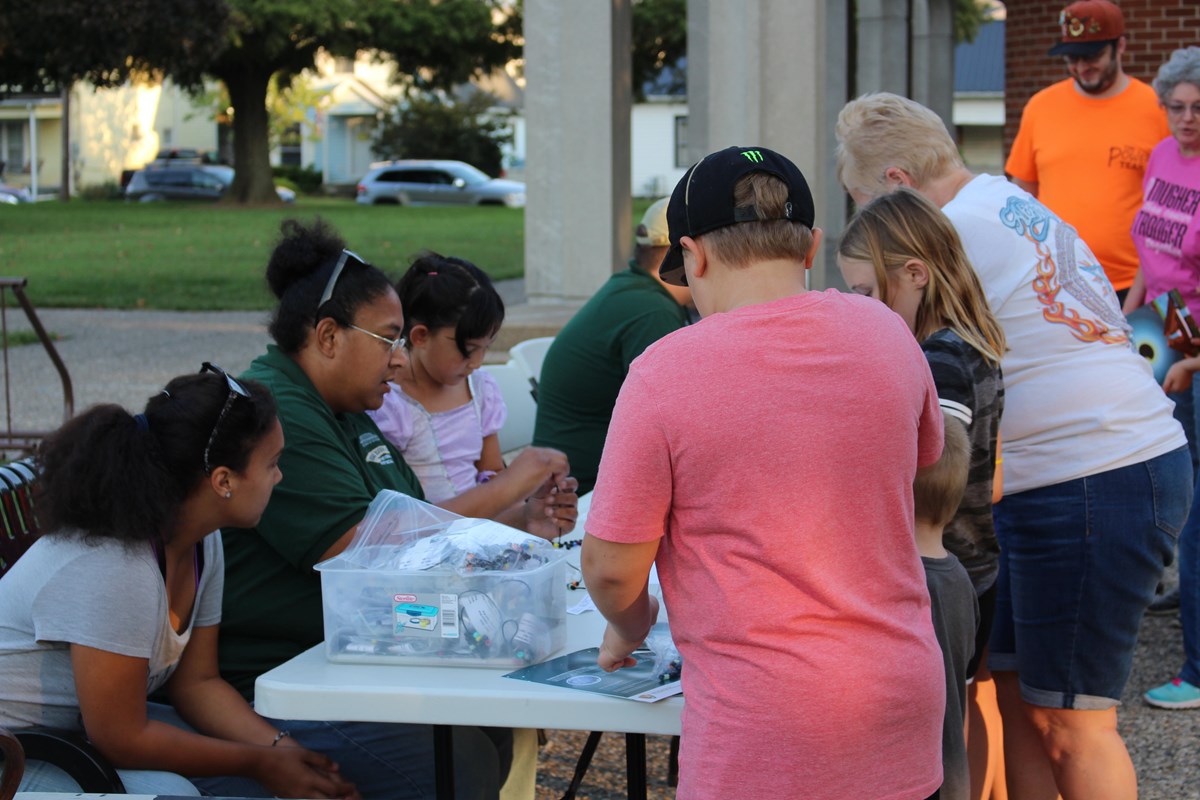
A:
(979, 65)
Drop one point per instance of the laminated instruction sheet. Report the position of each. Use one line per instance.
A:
(649, 681)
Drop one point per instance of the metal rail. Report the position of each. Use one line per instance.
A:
(18, 440)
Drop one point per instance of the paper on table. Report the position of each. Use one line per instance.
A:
(579, 671)
(585, 604)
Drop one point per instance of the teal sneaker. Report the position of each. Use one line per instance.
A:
(1177, 693)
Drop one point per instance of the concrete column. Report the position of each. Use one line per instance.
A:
(933, 56)
(832, 201)
(882, 47)
(578, 221)
(768, 72)
(725, 56)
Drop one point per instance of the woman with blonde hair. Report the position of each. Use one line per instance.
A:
(902, 250)
(1096, 477)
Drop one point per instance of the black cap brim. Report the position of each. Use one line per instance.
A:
(671, 270)
(1085, 49)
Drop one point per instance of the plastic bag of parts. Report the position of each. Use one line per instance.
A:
(668, 664)
(403, 534)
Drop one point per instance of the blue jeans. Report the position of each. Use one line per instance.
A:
(1187, 410)
(41, 776)
(392, 761)
(1079, 563)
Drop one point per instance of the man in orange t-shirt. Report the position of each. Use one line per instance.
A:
(1083, 142)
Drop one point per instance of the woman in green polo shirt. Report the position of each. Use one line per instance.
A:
(337, 332)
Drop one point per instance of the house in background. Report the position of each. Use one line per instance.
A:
(336, 140)
(978, 123)
(31, 134)
(112, 130)
(658, 144)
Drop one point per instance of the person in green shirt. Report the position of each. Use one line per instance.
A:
(587, 363)
(338, 342)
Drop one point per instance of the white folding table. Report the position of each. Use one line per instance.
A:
(312, 688)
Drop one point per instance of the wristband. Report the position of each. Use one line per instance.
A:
(278, 736)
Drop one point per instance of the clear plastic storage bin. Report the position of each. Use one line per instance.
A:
(421, 585)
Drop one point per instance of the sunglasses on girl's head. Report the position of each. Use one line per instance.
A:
(235, 389)
(346, 256)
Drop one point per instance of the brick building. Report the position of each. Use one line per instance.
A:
(1153, 29)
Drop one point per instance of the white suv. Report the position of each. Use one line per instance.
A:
(418, 183)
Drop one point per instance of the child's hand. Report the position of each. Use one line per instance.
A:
(616, 651)
(534, 466)
(552, 510)
(1179, 376)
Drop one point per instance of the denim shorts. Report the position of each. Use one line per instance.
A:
(1079, 562)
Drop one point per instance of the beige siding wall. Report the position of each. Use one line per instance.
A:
(112, 130)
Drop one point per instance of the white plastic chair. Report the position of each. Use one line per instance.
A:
(514, 387)
(529, 355)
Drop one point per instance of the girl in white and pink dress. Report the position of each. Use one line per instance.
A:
(444, 413)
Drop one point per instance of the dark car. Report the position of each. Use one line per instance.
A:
(186, 182)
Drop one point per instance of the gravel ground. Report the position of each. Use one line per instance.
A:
(126, 356)
(1164, 744)
(605, 779)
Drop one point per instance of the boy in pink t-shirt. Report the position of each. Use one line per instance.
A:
(765, 457)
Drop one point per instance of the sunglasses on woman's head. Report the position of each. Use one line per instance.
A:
(331, 284)
(235, 390)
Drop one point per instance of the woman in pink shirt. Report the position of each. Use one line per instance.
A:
(1167, 234)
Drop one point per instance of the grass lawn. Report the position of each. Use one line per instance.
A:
(198, 256)
(111, 254)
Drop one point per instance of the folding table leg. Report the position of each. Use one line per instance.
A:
(673, 763)
(635, 765)
(581, 766)
(443, 761)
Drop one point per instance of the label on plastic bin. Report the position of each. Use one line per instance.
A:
(409, 613)
(449, 616)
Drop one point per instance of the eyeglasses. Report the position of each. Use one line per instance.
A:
(1179, 109)
(393, 344)
(235, 390)
(346, 255)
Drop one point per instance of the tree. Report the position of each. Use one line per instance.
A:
(659, 42)
(48, 45)
(246, 44)
(287, 106)
(427, 126)
(969, 16)
(436, 42)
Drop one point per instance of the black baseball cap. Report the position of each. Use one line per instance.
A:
(703, 199)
